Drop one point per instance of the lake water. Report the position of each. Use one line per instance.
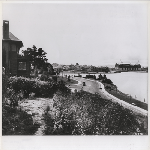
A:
(132, 83)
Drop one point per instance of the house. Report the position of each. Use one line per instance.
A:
(14, 64)
(128, 67)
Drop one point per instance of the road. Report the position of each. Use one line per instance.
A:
(93, 87)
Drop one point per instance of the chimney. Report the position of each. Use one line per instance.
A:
(5, 29)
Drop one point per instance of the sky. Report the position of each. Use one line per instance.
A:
(94, 33)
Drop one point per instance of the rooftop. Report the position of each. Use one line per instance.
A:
(13, 38)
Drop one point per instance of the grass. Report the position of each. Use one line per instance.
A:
(128, 99)
(83, 113)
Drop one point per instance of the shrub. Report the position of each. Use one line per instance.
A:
(83, 113)
(91, 76)
(17, 122)
(4, 85)
(108, 81)
(44, 77)
(54, 78)
(61, 87)
(40, 88)
(14, 120)
(21, 84)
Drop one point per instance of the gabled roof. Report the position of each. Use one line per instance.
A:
(15, 39)
(12, 37)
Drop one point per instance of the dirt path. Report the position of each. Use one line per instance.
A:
(36, 107)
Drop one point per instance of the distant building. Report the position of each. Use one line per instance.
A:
(127, 67)
(144, 69)
(10, 51)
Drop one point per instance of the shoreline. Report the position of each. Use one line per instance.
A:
(121, 102)
(139, 94)
(109, 96)
(125, 104)
(128, 99)
(112, 72)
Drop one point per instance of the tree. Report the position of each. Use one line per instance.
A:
(50, 69)
(107, 70)
(38, 59)
(37, 56)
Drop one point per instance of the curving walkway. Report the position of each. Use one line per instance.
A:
(94, 86)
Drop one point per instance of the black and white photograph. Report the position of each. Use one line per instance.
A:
(76, 69)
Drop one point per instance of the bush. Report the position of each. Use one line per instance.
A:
(108, 81)
(61, 87)
(54, 78)
(44, 77)
(17, 122)
(83, 113)
(4, 85)
(40, 88)
(91, 76)
(21, 84)
(14, 120)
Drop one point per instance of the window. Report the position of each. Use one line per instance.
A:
(22, 66)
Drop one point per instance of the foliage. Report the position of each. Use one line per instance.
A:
(83, 113)
(40, 88)
(91, 76)
(14, 120)
(4, 84)
(108, 81)
(38, 59)
(36, 56)
(21, 84)
(17, 122)
(100, 69)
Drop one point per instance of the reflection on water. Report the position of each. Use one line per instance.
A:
(132, 83)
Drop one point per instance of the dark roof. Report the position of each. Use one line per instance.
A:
(124, 65)
(15, 39)
(129, 65)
